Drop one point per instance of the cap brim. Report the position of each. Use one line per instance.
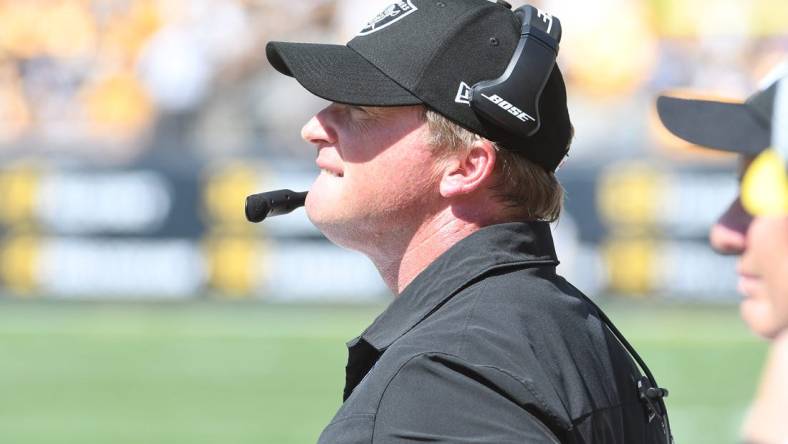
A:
(338, 74)
(719, 125)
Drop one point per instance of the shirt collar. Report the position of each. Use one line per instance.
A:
(492, 247)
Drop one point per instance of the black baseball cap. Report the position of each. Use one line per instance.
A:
(755, 127)
(428, 52)
(741, 127)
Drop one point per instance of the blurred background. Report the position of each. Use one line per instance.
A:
(138, 305)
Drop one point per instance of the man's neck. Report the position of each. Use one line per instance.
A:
(428, 243)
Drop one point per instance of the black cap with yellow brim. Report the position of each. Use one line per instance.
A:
(752, 128)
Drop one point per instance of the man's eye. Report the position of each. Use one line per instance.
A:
(361, 113)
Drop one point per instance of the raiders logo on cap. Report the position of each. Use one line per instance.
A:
(391, 14)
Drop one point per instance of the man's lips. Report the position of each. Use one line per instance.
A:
(329, 168)
(748, 283)
(745, 270)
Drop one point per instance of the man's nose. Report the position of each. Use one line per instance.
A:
(318, 131)
(729, 234)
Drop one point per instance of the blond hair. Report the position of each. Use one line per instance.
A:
(527, 190)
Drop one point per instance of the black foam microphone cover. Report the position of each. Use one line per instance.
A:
(272, 203)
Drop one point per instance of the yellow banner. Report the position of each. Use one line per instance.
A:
(693, 18)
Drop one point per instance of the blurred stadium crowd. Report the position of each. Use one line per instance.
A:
(131, 131)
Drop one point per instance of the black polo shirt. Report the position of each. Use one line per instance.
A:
(489, 345)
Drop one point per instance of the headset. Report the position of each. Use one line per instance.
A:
(511, 101)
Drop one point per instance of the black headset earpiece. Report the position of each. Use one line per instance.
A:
(511, 102)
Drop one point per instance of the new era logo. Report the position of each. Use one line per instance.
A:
(391, 14)
(464, 94)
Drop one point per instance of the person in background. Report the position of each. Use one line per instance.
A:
(755, 225)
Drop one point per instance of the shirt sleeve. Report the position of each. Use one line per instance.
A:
(442, 399)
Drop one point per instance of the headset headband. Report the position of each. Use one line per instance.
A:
(511, 101)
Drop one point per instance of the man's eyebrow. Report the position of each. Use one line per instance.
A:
(376, 110)
(368, 109)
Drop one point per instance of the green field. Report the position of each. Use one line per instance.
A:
(215, 372)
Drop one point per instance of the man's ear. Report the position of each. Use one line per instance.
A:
(467, 171)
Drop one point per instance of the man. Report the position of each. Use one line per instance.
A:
(746, 128)
(483, 342)
(755, 226)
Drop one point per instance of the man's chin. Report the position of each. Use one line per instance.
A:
(320, 220)
(321, 207)
(758, 316)
(334, 228)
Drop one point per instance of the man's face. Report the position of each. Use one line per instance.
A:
(762, 243)
(377, 173)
